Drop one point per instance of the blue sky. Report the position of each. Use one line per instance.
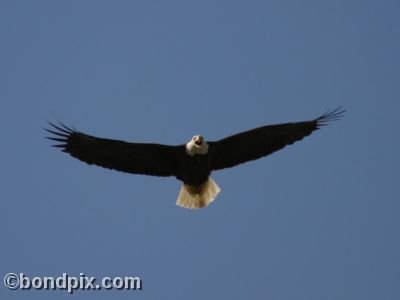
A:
(318, 220)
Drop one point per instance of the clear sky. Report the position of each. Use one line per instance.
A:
(317, 220)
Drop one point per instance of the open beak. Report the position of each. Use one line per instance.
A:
(198, 140)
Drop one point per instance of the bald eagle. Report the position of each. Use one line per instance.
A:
(191, 163)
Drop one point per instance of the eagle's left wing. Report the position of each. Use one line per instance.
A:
(262, 141)
(137, 158)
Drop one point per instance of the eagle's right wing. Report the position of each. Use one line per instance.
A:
(137, 158)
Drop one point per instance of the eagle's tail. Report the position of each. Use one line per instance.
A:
(198, 196)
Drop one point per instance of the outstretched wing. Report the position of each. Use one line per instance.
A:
(262, 141)
(137, 158)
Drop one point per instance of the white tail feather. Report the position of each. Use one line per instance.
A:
(198, 197)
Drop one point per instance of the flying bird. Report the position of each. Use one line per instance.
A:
(191, 163)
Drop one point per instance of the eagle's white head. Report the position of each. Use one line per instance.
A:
(196, 145)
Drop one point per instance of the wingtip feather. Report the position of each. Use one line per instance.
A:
(330, 115)
(59, 133)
